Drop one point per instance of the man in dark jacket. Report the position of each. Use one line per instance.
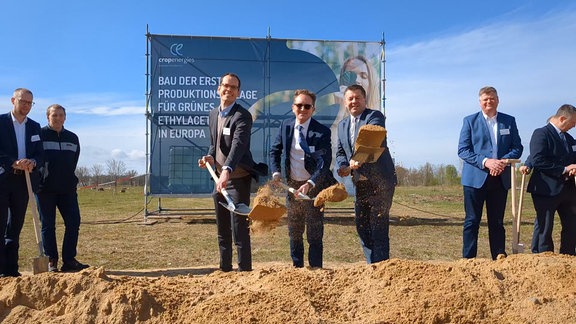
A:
(230, 130)
(58, 190)
(553, 157)
(20, 152)
(307, 150)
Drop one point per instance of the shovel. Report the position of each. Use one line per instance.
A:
(517, 247)
(240, 209)
(297, 194)
(39, 264)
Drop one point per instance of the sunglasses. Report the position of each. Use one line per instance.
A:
(305, 106)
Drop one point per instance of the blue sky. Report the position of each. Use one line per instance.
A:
(89, 56)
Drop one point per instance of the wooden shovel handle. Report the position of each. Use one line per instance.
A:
(35, 217)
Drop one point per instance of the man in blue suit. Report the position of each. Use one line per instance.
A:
(487, 139)
(20, 151)
(307, 150)
(374, 182)
(553, 158)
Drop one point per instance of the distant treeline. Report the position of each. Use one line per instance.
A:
(428, 175)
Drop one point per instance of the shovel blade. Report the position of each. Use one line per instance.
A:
(267, 214)
(519, 248)
(240, 209)
(40, 264)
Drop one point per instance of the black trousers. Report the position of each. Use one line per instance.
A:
(13, 204)
(234, 227)
(546, 206)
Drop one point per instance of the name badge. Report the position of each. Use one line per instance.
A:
(312, 149)
(226, 131)
(35, 138)
(573, 148)
(505, 131)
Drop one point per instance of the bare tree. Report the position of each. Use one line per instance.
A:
(83, 174)
(132, 174)
(116, 169)
(97, 171)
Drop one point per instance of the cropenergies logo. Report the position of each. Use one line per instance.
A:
(177, 56)
(175, 49)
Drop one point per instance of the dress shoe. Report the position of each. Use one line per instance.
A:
(10, 274)
(73, 266)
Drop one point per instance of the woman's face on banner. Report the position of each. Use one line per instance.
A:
(361, 71)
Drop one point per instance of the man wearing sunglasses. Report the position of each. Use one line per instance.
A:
(374, 182)
(307, 150)
(20, 151)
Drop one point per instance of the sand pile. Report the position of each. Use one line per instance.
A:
(334, 193)
(522, 288)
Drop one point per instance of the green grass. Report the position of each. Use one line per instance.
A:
(426, 224)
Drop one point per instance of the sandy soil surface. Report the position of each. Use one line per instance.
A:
(522, 288)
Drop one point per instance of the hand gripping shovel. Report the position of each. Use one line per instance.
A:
(39, 264)
(517, 247)
(240, 209)
(297, 194)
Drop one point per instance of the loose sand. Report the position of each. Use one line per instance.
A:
(522, 288)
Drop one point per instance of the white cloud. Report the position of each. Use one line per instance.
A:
(432, 85)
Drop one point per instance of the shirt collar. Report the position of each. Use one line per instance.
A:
(556, 128)
(224, 112)
(305, 125)
(14, 120)
(490, 118)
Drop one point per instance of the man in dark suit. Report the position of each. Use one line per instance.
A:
(374, 182)
(487, 139)
(307, 151)
(20, 151)
(230, 130)
(553, 158)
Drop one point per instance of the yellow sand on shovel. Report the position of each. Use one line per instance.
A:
(333, 193)
(367, 148)
(267, 207)
(39, 264)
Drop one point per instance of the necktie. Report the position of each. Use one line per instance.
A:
(563, 138)
(302, 139)
(353, 130)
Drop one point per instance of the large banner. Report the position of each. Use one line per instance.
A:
(184, 76)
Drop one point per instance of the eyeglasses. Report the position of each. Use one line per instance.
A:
(26, 102)
(229, 86)
(305, 106)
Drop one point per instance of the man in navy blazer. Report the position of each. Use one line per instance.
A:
(487, 139)
(553, 158)
(374, 182)
(307, 150)
(230, 130)
(20, 151)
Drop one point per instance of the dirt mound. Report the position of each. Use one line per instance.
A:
(519, 289)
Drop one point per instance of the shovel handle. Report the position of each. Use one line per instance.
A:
(223, 191)
(35, 217)
(513, 161)
(293, 191)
